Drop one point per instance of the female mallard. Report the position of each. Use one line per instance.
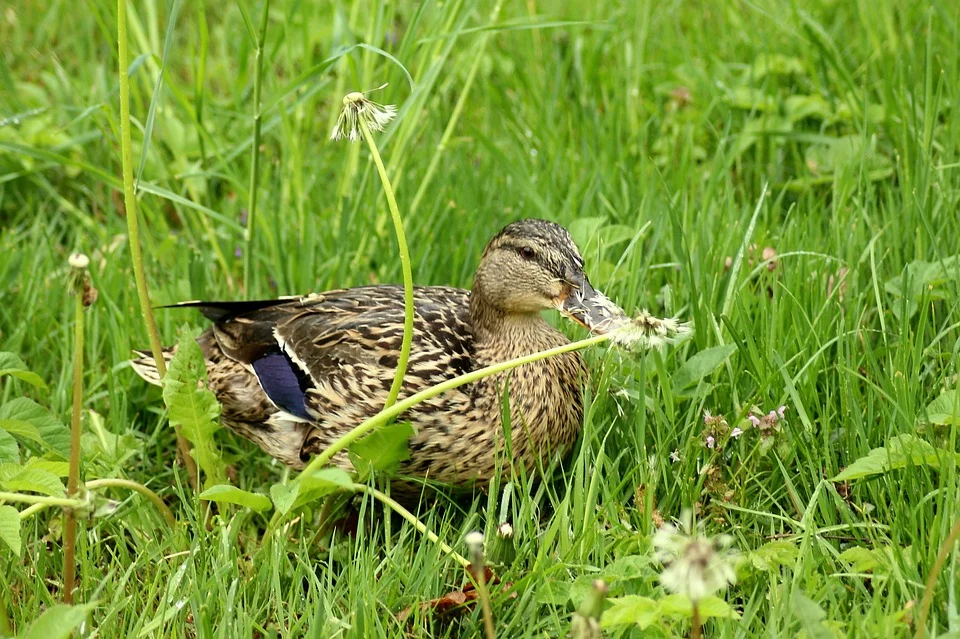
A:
(295, 374)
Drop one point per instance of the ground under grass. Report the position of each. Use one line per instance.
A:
(785, 175)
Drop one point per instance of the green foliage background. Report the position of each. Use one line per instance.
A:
(676, 140)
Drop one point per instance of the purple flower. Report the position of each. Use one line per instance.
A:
(237, 252)
(711, 442)
(736, 432)
(706, 417)
(781, 411)
(754, 420)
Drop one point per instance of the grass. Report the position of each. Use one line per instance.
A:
(667, 137)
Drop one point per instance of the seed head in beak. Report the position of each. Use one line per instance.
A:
(587, 306)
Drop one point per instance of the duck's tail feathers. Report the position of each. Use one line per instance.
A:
(146, 367)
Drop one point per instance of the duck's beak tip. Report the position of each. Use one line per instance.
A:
(588, 307)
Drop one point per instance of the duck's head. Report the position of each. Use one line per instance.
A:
(533, 265)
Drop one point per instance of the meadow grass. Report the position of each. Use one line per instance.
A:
(677, 141)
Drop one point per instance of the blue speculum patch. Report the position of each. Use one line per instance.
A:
(283, 383)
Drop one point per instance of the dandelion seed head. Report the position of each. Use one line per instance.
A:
(694, 564)
(359, 111)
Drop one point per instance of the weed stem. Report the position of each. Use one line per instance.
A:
(133, 226)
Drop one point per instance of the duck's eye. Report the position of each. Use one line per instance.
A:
(527, 253)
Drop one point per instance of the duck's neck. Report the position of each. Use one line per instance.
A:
(513, 334)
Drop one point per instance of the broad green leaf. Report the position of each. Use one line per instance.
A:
(10, 528)
(59, 621)
(630, 610)
(921, 280)
(320, 484)
(21, 429)
(229, 494)
(862, 559)
(679, 606)
(283, 496)
(55, 436)
(772, 556)
(811, 617)
(900, 452)
(628, 567)
(945, 409)
(701, 365)
(553, 592)
(9, 451)
(58, 468)
(193, 407)
(12, 365)
(15, 478)
(383, 449)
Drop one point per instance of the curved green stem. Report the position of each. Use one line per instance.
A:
(133, 224)
(945, 550)
(404, 265)
(139, 488)
(165, 512)
(46, 500)
(387, 414)
(416, 523)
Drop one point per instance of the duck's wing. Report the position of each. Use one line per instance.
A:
(342, 342)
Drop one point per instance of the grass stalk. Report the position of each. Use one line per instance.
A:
(405, 267)
(254, 152)
(133, 226)
(73, 475)
(413, 520)
(945, 550)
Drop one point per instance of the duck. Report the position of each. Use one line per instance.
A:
(294, 374)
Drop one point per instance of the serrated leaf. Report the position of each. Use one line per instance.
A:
(10, 528)
(54, 435)
(226, 493)
(772, 555)
(945, 409)
(58, 621)
(555, 593)
(21, 428)
(12, 365)
(901, 451)
(192, 406)
(9, 450)
(58, 468)
(383, 449)
(630, 610)
(283, 496)
(18, 479)
(701, 365)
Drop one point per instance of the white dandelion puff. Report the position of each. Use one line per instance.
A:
(694, 565)
(357, 109)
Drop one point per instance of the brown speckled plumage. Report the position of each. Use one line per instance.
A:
(343, 347)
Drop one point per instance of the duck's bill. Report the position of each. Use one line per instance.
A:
(590, 308)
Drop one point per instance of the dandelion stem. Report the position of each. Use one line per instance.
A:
(133, 225)
(73, 475)
(404, 265)
(255, 152)
(154, 498)
(414, 521)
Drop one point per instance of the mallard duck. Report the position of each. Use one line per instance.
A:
(294, 374)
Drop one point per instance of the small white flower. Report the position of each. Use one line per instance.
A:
(711, 442)
(694, 564)
(754, 419)
(675, 456)
(358, 108)
(781, 411)
(736, 432)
